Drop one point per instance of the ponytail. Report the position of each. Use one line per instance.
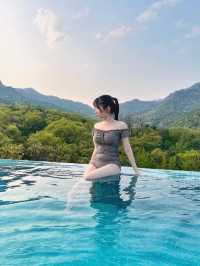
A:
(115, 107)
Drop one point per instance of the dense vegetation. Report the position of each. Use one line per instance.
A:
(34, 133)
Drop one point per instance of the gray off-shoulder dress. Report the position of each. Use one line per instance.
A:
(107, 146)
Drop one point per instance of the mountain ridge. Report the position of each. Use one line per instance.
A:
(162, 112)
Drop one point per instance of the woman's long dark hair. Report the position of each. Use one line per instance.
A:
(105, 101)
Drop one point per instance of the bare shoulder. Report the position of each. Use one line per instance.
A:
(98, 123)
(119, 125)
(123, 125)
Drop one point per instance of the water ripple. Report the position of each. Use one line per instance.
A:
(50, 216)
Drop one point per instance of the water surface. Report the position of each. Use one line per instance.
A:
(50, 216)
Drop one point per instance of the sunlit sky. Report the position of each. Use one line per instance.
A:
(78, 50)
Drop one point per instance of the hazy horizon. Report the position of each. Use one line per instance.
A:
(78, 50)
(90, 104)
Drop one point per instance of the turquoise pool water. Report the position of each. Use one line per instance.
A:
(50, 216)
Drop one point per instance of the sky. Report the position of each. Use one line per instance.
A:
(79, 50)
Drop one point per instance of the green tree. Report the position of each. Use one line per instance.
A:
(33, 121)
(158, 157)
(13, 132)
(12, 151)
(190, 160)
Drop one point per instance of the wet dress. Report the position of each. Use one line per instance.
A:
(107, 146)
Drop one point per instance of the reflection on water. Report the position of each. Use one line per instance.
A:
(110, 200)
(111, 192)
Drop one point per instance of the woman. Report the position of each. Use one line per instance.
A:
(107, 135)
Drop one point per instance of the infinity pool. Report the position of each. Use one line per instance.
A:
(50, 216)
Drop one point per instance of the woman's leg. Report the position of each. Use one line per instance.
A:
(100, 172)
(90, 168)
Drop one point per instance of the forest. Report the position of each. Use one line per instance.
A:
(35, 133)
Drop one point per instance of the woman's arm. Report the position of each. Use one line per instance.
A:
(93, 153)
(95, 150)
(95, 146)
(129, 153)
(125, 134)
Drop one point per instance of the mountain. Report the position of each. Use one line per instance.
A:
(137, 106)
(10, 95)
(180, 108)
(189, 120)
(177, 107)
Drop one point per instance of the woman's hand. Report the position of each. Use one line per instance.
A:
(137, 173)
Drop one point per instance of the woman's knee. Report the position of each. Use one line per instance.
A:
(87, 176)
(114, 168)
(90, 168)
(106, 170)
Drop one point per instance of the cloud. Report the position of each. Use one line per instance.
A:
(195, 31)
(50, 26)
(141, 21)
(120, 32)
(152, 12)
(116, 33)
(82, 13)
(98, 36)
